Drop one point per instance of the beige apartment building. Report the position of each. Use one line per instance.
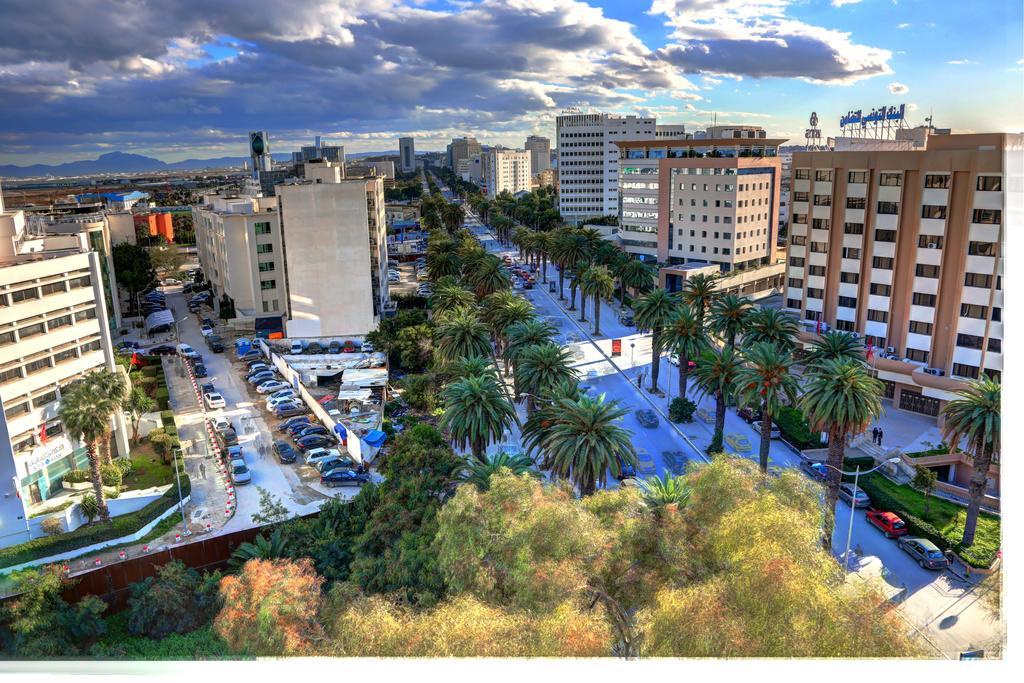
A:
(905, 248)
(700, 200)
(540, 153)
(241, 253)
(335, 252)
(505, 170)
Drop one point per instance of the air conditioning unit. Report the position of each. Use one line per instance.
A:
(933, 245)
(891, 356)
(890, 349)
(935, 371)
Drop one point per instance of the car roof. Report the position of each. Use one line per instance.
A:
(891, 516)
(925, 543)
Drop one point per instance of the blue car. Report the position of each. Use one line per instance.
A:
(291, 422)
(311, 430)
(344, 478)
(308, 443)
(284, 451)
(626, 471)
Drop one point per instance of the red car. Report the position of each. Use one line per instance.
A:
(888, 523)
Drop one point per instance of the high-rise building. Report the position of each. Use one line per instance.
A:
(406, 155)
(259, 152)
(53, 330)
(462, 148)
(540, 153)
(335, 252)
(905, 248)
(707, 200)
(670, 130)
(505, 170)
(588, 161)
(242, 255)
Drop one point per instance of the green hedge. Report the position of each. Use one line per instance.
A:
(794, 428)
(89, 534)
(167, 417)
(163, 399)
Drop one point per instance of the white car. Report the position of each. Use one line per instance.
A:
(221, 423)
(271, 387)
(283, 393)
(206, 330)
(186, 351)
(214, 401)
(240, 474)
(367, 347)
(296, 348)
(273, 403)
(315, 455)
(394, 279)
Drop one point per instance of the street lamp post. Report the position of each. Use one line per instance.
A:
(853, 500)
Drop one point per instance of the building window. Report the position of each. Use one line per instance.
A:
(883, 262)
(819, 247)
(822, 200)
(25, 295)
(973, 311)
(995, 345)
(6, 338)
(857, 177)
(814, 293)
(14, 411)
(53, 288)
(9, 375)
(37, 365)
(856, 203)
(31, 331)
(964, 370)
(792, 303)
(816, 270)
(918, 327)
(933, 211)
(981, 248)
(888, 208)
(920, 299)
(87, 314)
(91, 346)
(849, 278)
(885, 235)
(80, 282)
(880, 290)
(848, 302)
(930, 241)
(800, 218)
(977, 280)
(987, 216)
(802, 173)
(821, 224)
(794, 261)
(56, 323)
(64, 356)
(917, 355)
(262, 228)
(990, 183)
(844, 325)
(795, 283)
(890, 179)
(853, 228)
(970, 341)
(267, 267)
(823, 176)
(936, 181)
(798, 240)
(268, 284)
(926, 270)
(851, 252)
(264, 248)
(878, 316)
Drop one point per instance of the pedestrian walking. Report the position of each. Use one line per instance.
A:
(202, 470)
(881, 435)
(874, 435)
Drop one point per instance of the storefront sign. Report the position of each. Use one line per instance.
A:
(48, 454)
(616, 347)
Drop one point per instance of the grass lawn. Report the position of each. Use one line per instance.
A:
(119, 643)
(147, 470)
(946, 517)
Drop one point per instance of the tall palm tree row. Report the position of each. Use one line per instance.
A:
(635, 275)
(522, 335)
(773, 326)
(476, 413)
(540, 368)
(597, 283)
(461, 334)
(973, 418)
(569, 249)
(729, 316)
(764, 382)
(653, 311)
(698, 293)
(86, 409)
(834, 345)
(716, 375)
(840, 398)
(685, 337)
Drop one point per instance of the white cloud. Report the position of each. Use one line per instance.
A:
(904, 25)
(840, 3)
(898, 88)
(961, 61)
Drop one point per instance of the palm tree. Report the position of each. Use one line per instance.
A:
(522, 335)
(544, 242)
(448, 297)
(476, 413)
(85, 410)
(479, 472)
(698, 292)
(137, 404)
(685, 337)
(664, 493)
(489, 276)
(503, 309)
(452, 216)
(636, 275)
(521, 237)
(653, 311)
(477, 366)
(597, 283)
(539, 369)
(728, 316)
(443, 264)
(114, 388)
(569, 249)
(574, 283)
(763, 382)
(974, 418)
(716, 375)
(771, 325)
(260, 548)
(583, 442)
(834, 345)
(841, 398)
(460, 334)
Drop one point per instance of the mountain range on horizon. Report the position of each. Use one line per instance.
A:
(124, 162)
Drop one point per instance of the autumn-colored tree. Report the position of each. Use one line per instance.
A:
(270, 608)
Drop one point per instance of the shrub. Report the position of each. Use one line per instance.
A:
(681, 410)
(125, 465)
(77, 476)
(177, 600)
(793, 426)
(167, 418)
(419, 392)
(111, 475)
(51, 526)
(89, 507)
(160, 440)
(147, 384)
(119, 526)
(39, 624)
(163, 398)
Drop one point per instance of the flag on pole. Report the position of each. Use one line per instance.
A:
(871, 351)
(136, 361)
(42, 434)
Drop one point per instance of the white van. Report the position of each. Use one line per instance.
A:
(296, 348)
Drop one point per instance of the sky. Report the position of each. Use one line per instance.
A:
(189, 78)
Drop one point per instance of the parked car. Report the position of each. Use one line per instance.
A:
(206, 388)
(289, 410)
(334, 347)
(344, 477)
(626, 470)
(215, 343)
(296, 429)
(284, 451)
(273, 403)
(251, 354)
(887, 522)
(846, 493)
(626, 319)
(394, 277)
(673, 359)
(313, 429)
(186, 351)
(296, 348)
(285, 425)
(271, 386)
(260, 376)
(315, 455)
(349, 346)
(647, 418)
(214, 401)
(200, 370)
(314, 348)
(749, 415)
(193, 306)
(282, 393)
(924, 551)
(255, 365)
(307, 443)
(815, 470)
(221, 424)
(325, 466)
(240, 474)
(368, 347)
(229, 437)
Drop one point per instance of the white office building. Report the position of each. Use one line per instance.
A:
(505, 170)
(588, 161)
(406, 155)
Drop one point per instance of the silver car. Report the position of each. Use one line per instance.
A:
(846, 493)
(240, 474)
